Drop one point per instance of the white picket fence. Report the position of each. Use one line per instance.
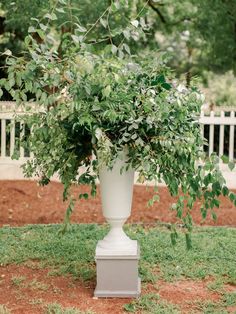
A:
(10, 168)
(221, 117)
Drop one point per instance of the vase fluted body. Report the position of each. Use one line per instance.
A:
(116, 193)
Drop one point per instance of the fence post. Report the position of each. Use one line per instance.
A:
(231, 138)
(211, 137)
(222, 131)
(3, 137)
(12, 137)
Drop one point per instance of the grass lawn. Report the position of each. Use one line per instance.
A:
(212, 260)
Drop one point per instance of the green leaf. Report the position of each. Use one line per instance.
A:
(150, 203)
(34, 19)
(126, 33)
(225, 159)
(51, 16)
(120, 54)
(127, 49)
(103, 22)
(166, 86)
(27, 40)
(31, 29)
(80, 28)
(232, 197)
(7, 53)
(114, 49)
(135, 23)
(231, 165)
(1, 92)
(160, 78)
(40, 33)
(43, 27)
(216, 187)
(60, 10)
(225, 191)
(77, 39)
(213, 215)
(93, 191)
(156, 198)
(83, 195)
(216, 203)
(115, 6)
(203, 212)
(179, 212)
(106, 91)
(11, 82)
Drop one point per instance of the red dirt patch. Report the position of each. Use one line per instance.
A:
(38, 289)
(187, 293)
(24, 202)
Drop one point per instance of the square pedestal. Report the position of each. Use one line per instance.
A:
(117, 273)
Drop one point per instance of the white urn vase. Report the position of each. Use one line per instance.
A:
(117, 255)
(116, 193)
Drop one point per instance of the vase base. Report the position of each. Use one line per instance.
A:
(117, 272)
(119, 293)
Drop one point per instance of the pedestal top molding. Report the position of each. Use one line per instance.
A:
(130, 252)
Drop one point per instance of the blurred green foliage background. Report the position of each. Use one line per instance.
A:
(199, 35)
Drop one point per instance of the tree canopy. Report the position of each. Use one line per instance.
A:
(199, 35)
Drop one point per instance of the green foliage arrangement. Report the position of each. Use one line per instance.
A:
(89, 104)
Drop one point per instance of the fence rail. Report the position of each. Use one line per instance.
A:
(218, 127)
(219, 137)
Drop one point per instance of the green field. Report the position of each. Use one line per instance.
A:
(213, 255)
